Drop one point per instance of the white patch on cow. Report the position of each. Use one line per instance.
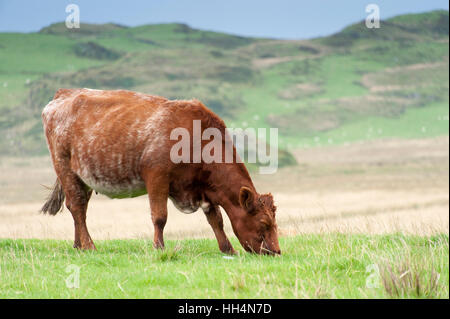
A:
(153, 132)
(184, 207)
(119, 163)
(115, 190)
(92, 90)
(56, 112)
(142, 96)
(205, 206)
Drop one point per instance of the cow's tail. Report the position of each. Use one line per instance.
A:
(55, 201)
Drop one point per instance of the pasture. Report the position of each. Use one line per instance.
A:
(365, 215)
(312, 266)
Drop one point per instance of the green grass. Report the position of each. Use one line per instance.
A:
(312, 266)
(39, 53)
(415, 123)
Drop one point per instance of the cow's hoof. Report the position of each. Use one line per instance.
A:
(229, 251)
(89, 246)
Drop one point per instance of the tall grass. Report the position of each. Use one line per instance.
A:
(409, 273)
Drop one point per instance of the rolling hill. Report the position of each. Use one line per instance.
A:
(357, 84)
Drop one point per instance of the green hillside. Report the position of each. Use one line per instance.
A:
(354, 85)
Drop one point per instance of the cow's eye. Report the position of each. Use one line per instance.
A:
(264, 227)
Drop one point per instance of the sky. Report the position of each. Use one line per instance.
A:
(286, 19)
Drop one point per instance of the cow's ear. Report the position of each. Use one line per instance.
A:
(246, 198)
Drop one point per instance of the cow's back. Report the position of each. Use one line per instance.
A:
(107, 136)
(104, 135)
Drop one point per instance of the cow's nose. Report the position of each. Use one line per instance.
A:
(275, 251)
(272, 252)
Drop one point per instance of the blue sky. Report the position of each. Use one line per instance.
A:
(275, 18)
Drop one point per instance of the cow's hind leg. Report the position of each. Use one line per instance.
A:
(214, 217)
(77, 198)
(158, 193)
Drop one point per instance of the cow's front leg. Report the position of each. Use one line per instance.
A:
(158, 192)
(214, 217)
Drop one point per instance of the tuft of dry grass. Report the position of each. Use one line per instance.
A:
(407, 274)
(406, 279)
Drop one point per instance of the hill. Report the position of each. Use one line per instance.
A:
(357, 84)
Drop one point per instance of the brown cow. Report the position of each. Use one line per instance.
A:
(117, 143)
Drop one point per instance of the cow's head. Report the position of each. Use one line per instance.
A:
(257, 228)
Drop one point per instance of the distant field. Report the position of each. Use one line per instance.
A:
(355, 85)
(312, 266)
